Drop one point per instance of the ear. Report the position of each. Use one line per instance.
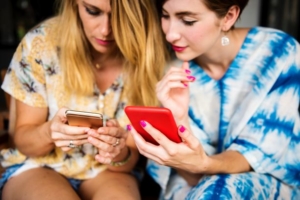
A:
(230, 18)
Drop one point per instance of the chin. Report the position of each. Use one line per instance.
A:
(184, 56)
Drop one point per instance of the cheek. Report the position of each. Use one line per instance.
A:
(164, 25)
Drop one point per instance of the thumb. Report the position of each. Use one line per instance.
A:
(188, 138)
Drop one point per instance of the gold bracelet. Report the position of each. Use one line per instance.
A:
(123, 162)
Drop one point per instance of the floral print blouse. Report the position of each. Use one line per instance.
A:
(34, 77)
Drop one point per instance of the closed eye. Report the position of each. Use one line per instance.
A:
(91, 11)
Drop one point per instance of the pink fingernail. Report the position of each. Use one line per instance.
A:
(187, 71)
(185, 84)
(181, 129)
(128, 127)
(143, 123)
(192, 78)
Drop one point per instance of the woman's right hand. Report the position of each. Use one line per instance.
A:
(63, 135)
(172, 91)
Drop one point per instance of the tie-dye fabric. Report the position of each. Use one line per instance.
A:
(253, 109)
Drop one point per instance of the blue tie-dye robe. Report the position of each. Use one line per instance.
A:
(253, 109)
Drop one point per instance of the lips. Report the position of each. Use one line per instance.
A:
(104, 42)
(178, 49)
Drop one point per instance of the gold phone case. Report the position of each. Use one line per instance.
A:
(85, 119)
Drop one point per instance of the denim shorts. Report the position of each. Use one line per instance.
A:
(75, 183)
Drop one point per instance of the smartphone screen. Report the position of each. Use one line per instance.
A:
(160, 118)
(85, 119)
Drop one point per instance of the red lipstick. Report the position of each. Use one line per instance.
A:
(178, 49)
(104, 42)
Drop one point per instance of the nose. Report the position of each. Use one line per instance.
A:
(106, 26)
(172, 32)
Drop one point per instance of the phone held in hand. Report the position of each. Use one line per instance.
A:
(85, 119)
(160, 118)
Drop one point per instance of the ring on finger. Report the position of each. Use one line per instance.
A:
(71, 144)
(117, 142)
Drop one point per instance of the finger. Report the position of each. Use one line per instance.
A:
(163, 93)
(67, 129)
(112, 122)
(188, 138)
(185, 66)
(107, 154)
(107, 138)
(112, 131)
(143, 146)
(156, 134)
(66, 143)
(60, 136)
(174, 77)
(101, 145)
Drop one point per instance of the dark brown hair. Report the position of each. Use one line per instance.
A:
(220, 7)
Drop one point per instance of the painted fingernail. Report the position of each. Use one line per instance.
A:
(187, 71)
(143, 123)
(192, 78)
(185, 84)
(181, 129)
(128, 127)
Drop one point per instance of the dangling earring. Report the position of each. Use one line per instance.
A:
(225, 40)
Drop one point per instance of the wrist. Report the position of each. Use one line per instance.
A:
(122, 160)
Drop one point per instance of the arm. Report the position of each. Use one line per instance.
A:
(35, 136)
(32, 134)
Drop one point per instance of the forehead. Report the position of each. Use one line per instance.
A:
(193, 6)
(103, 4)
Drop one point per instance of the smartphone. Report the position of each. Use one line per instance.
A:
(160, 118)
(85, 119)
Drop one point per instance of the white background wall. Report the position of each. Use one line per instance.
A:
(250, 15)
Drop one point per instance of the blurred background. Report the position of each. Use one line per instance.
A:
(18, 16)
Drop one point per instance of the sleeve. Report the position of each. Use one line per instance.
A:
(271, 139)
(25, 77)
(200, 134)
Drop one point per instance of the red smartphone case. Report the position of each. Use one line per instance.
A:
(160, 118)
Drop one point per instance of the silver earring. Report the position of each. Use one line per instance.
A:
(225, 40)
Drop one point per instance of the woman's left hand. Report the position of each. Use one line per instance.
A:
(188, 155)
(109, 141)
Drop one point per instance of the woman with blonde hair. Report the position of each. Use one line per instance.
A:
(96, 56)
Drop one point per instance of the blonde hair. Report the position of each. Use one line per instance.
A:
(136, 29)
(75, 57)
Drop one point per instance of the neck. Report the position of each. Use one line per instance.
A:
(103, 61)
(218, 59)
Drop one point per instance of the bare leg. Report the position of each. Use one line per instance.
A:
(110, 185)
(39, 183)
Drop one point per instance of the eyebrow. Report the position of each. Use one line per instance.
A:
(183, 13)
(89, 5)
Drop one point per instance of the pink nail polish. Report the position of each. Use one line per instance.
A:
(128, 127)
(143, 123)
(181, 129)
(185, 84)
(187, 71)
(192, 78)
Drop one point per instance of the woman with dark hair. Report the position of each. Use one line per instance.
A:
(235, 99)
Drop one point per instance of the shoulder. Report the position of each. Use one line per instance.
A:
(273, 38)
(43, 34)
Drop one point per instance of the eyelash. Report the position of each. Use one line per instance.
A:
(187, 23)
(92, 12)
